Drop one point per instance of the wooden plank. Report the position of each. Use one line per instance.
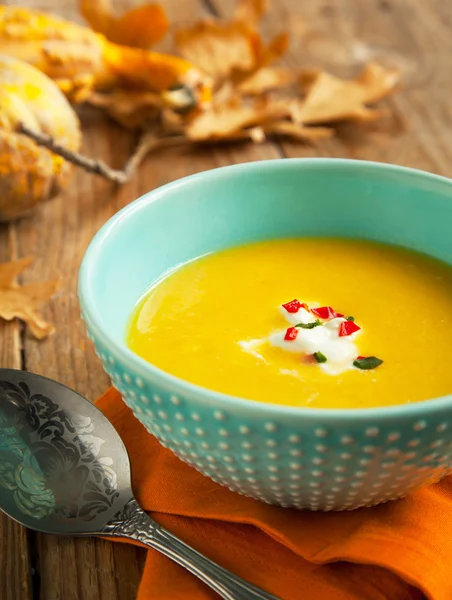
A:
(58, 234)
(15, 574)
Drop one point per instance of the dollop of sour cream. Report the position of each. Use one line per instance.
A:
(339, 351)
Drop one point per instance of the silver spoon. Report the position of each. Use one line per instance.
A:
(65, 470)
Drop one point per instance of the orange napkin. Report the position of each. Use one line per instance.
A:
(396, 551)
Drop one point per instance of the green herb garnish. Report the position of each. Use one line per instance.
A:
(320, 358)
(350, 318)
(316, 323)
(367, 363)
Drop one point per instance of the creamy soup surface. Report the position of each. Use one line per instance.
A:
(304, 322)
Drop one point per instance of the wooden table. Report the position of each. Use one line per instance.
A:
(338, 35)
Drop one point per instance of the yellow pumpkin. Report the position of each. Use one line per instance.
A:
(30, 174)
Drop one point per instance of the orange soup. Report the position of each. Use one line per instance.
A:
(324, 323)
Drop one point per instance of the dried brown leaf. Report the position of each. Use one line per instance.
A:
(140, 27)
(266, 79)
(330, 99)
(226, 122)
(22, 301)
(250, 11)
(130, 108)
(219, 49)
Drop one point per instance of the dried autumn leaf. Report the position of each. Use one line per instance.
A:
(219, 49)
(140, 27)
(23, 301)
(266, 79)
(30, 174)
(330, 99)
(250, 11)
(228, 122)
(132, 109)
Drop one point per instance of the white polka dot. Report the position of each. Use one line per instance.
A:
(316, 473)
(437, 443)
(295, 477)
(340, 479)
(162, 414)
(248, 457)
(244, 429)
(392, 452)
(247, 445)
(195, 416)
(370, 449)
(274, 478)
(111, 360)
(211, 458)
(132, 395)
(321, 448)
(314, 484)
(223, 446)
(273, 468)
(394, 436)
(295, 466)
(271, 443)
(219, 416)
(365, 461)
(138, 409)
(144, 399)
(270, 427)
(249, 470)
(157, 399)
(294, 439)
(419, 426)
(139, 382)
(167, 427)
(356, 484)
(184, 431)
(228, 459)
(345, 455)
(187, 444)
(205, 445)
(320, 432)
(180, 416)
(372, 431)
(340, 469)
(441, 427)
(347, 439)
(318, 461)
(126, 378)
(410, 455)
(223, 432)
(231, 469)
(252, 479)
(295, 452)
(360, 474)
(149, 412)
(273, 455)
(175, 400)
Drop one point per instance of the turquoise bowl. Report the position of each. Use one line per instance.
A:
(307, 458)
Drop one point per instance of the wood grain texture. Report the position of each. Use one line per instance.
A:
(338, 35)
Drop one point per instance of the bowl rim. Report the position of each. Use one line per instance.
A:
(206, 395)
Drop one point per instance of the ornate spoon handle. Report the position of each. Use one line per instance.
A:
(134, 523)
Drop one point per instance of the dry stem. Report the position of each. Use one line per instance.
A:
(148, 141)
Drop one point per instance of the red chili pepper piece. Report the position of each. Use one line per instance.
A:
(291, 334)
(293, 306)
(326, 312)
(360, 357)
(347, 328)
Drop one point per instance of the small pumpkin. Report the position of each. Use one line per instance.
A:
(30, 174)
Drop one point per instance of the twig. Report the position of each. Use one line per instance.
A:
(148, 141)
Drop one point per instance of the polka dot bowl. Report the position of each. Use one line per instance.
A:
(306, 458)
